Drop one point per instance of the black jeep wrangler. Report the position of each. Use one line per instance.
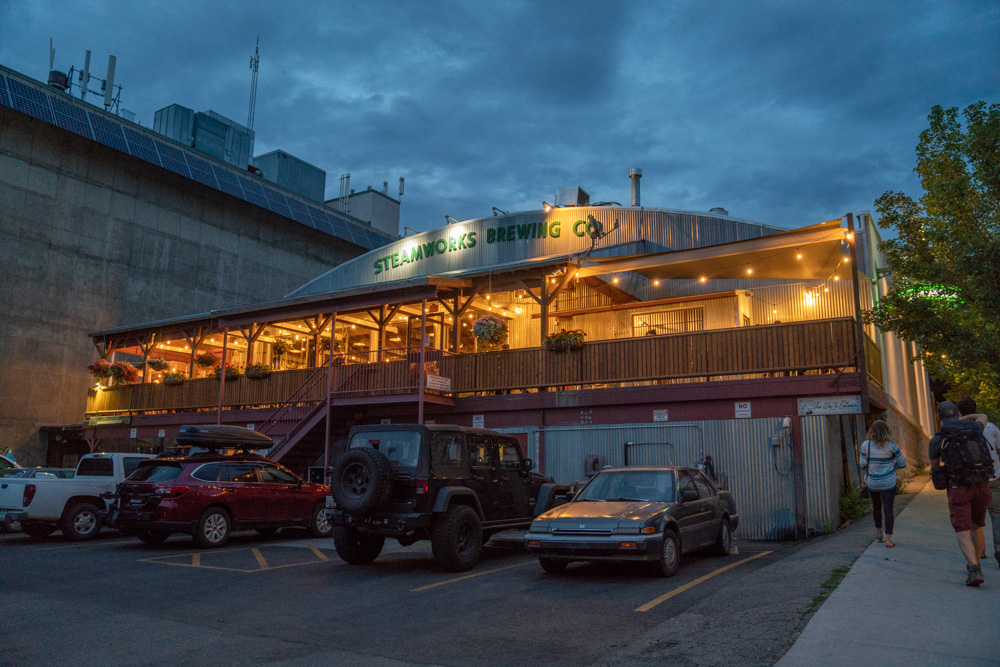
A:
(454, 485)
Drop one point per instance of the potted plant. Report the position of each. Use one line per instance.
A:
(232, 372)
(280, 346)
(173, 378)
(564, 340)
(206, 360)
(100, 369)
(257, 371)
(157, 364)
(490, 330)
(123, 372)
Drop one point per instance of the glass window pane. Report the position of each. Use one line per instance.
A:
(238, 471)
(274, 475)
(207, 473)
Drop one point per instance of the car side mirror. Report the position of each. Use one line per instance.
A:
(688, 495)
(528, 465)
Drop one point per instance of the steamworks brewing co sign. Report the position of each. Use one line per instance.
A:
(413, 251)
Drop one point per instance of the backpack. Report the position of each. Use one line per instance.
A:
(966, 455)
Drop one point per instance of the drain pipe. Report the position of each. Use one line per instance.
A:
(635, 174)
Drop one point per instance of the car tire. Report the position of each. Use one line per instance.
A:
(670, 555)
(319, 523)
(356, 547)
(724, 542)
(81, 522)
(361, 482)
(37, 529)
(553, 566)
(457, 539)
(153, 537)
(213, 528)
(10, 527)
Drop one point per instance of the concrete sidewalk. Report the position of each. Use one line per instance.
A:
(908, 605)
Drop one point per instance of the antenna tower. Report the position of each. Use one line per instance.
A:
(254, 62)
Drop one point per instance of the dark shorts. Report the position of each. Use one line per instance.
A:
(967, 506)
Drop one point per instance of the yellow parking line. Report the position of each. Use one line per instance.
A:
(468, 576)
(260, 558)
(319, 554)
(196, 560)
(692, 584)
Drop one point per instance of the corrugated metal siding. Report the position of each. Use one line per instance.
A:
(760, 475)
(820, 460)
(675, 230)
(793, 306)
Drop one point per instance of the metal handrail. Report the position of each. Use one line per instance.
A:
(293, 401)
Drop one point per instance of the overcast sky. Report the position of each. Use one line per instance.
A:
(788, 113)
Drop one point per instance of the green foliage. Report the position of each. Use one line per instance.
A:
(903, 478)
(852, 505)
(828, 586)
(945, 260)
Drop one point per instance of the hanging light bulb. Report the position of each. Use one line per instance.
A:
(703, 279)
(656, 283)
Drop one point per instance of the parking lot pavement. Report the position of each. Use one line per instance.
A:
(291, 600)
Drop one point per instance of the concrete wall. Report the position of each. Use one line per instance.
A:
(91, 238)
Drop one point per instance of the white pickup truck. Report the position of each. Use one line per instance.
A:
(71, 505)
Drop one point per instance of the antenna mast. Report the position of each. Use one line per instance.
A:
(254, 62)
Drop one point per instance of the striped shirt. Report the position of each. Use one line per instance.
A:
(880, 463)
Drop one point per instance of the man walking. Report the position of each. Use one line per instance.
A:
(968, 491)
(966, 407)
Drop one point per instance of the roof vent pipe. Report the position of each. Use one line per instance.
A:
(635, 175)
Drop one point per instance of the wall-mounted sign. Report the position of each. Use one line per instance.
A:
(830, 405)
(109, 420)
(743, 409)
(478, 421)
(132, 433)
(438, 383)
(163, 433)
(660, 416)
(386, 421)
(250, 426)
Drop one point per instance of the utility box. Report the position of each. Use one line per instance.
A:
(293, 174)
(572, 196)
(592, 464)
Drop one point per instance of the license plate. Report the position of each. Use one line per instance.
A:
(330, 504)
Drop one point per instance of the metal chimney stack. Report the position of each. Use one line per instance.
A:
(635, 175)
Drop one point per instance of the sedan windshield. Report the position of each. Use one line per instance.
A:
(621, 485)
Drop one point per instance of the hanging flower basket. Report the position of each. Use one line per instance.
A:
(100, 369)
(123, 372)
(157, 364)
(280, 346)
(257, 371)
(232, 372)
(490, 330)
(206, 360)
(564, 341)
(174, 378)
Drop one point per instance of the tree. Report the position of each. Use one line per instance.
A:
(945, 259)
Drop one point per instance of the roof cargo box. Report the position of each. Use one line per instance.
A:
(213, 437)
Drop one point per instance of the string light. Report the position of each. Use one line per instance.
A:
(703, 279)
(749, 270)
(656, 283)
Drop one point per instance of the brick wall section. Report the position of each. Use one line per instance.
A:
(91, 238)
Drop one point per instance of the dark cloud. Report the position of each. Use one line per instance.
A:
(784, 112)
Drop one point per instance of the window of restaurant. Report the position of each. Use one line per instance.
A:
(681, 320)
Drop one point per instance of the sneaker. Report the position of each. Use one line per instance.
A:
(975, 575)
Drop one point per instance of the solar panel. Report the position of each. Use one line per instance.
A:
(71, 117)
(228, 182)
(299, 211)
(201, 171)
(341, 229)
(276, 202)
(141, 146)
(108, 132)
(30, 101)
(173, 159)
(253, 192)
(320, 220)
(4, 97)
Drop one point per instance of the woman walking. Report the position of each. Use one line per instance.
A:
(880, 457)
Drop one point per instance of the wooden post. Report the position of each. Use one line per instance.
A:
(329, 400)
(420, 372)
(222, 376)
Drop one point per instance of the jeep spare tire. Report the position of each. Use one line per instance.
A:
(362, 480)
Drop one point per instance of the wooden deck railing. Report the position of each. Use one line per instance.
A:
(797, 347)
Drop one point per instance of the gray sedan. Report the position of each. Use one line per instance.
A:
(649, 514)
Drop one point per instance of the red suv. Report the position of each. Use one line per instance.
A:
(209, 494)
